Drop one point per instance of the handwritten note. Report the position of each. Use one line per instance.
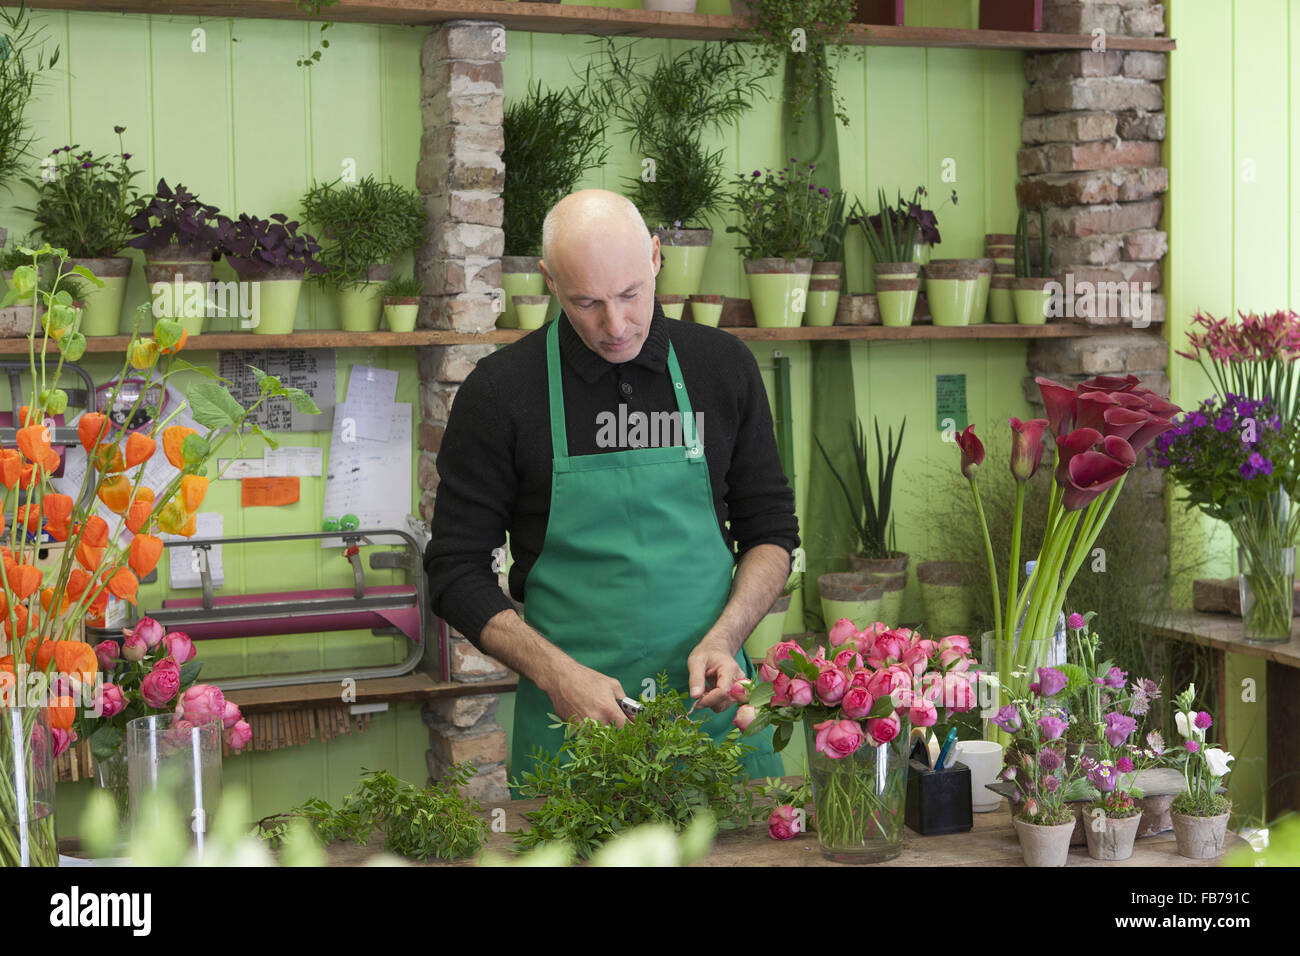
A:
(369, 405)
(269, 492)
(370, 479)
(232, 468)
(184, 564)
(311, 370)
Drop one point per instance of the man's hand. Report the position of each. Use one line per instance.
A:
(577, 692)
(712, 667)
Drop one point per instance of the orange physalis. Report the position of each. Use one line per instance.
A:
(173, 438)
(52, 461)
(193, 489)
(58, 507)
(100, 602)
(39, 652)
(92, 427)
(123, 584)
(108, 459)
(20, 615)
(172, 350)
(34, 442)
(10, 465)
(57, 531)
(31, 518)
(47, 598)
(96, 533)
(78, 580)
(89, 557)
(137, 516)
(29, 416)
(62, 713)
(144, 553)
(116, 493)
(76, 659)
(139, 448)
(24, 579)
(25, 477)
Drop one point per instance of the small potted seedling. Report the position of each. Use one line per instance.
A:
(1031, 291)
(179, 237)
(402, 303)
(271, 257)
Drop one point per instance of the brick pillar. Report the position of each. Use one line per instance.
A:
(460, 176)
(1092, 131)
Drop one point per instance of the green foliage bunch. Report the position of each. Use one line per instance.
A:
(784, 215)
(1025, 267)
(22, 59)
(367, 223)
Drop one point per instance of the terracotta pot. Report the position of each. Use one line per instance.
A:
(1110, 838)
(1200, 838)
(1044, 846)
(682, 254)
(707, 309)
(672, 305)
(773, 284)
(854, 596)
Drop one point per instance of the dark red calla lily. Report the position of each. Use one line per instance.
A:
(1146, 434)
(1090, 410)
(1071, 444)
(1059, 402)
(1109, 383)
(1091, 474)
(1130, 399)
(1120, 450)
(972, 452)
(1026, 447)
(1123, 421)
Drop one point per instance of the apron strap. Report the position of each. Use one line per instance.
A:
(555, 395)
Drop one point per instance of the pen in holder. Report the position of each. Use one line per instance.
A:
(938, 801)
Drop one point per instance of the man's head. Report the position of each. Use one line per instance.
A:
(600, 260)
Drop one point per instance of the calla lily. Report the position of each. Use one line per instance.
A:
(1109, 383)
(1090, 410)
(1218, 761)
(1091, 474)
(1071, 444)
(1059, 402)
(972, 452)
(1026, 447)
(1157, 425)
(1122, 421)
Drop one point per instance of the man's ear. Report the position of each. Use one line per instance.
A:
(656, 257)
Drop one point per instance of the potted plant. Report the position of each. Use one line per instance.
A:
(858, 702)
(179, 238)
(402, 303)
(828, 268)
(890, 236)
(1036, 762)
(869, 509)
(706, 309)
(274, 257)
(667, 107)
(1200, 813)
(1031, 290)
(552, 138)
(86, 207)
(951, 290)
(771, 627)
(20, 68)
(779, 224)
(368, 224)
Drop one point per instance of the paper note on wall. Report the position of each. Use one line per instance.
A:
(370, 479)
(311, 370)
(369, 404)
(184, 564)
(283, 462)
(950, 401)
(269, 492)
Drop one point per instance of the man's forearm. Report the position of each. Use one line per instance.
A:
(521, 648)
(760, 578)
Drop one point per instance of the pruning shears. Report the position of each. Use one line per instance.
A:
(629, 707)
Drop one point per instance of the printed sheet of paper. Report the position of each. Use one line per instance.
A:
(370, 479)
(184, 563)
(240, 468)
(289, 462)
(311, 370)
(369, 405)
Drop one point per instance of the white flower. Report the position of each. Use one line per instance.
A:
(1184, 726)
(1218, 761)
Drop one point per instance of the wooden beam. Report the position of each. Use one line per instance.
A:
(414, 686)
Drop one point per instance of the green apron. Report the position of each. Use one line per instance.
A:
(632, 573)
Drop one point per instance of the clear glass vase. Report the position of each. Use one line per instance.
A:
(174, 769)
(27, 835)
(111, 775)
(1267, 565)
(858, 802)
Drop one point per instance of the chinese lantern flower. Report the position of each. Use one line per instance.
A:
(139, 449)
(91, 428)
(173, 439)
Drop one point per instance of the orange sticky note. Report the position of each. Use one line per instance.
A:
(268, 492)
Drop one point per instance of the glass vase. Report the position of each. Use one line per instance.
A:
(858, 802)
(1267, 564)
(27, 835)
(174, 770)
(111, 775)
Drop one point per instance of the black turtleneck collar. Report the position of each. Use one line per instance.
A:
(590, 366)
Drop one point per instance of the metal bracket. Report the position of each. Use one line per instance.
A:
(205, 575)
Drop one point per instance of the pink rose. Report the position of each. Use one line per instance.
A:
(148, 630)
(922, 712)
(134, 648)
(885, 682)
(847, 659)
(780, 651)
(160, 684)
(783, 824)
(866, 639)
(740, 690)
(801, 692)
(232, 715)
(958, 695)
(889, 647)
(860, 678)
(109, 700)
(838, 738)
(768, 672)
(958, 641)
(831, 685)
(881, 730)
(927, 646)
(179, 647)
(745, 715)
(781, 691)
(238, 736)
(954, 660)
(201, 704)
(857, 702)
(108, 653)
(915, 660)
(63, 739)
(843, 630)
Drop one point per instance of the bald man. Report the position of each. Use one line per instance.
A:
(632, 462)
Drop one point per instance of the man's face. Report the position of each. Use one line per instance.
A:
(607, 290)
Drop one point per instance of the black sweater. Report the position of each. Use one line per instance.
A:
(494, 464)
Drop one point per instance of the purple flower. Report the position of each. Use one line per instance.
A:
(1203, 721)
(1050, 760)
(1102, 776)
(1076, 622)
(1052, 784)
(1008, 718)
(1116, 678)
(126, 156)
(1223, 423)
(1192, 746)
(1156, 742)
(1198, 419)
(119, 130)
(1118, 728)
(1051, 681)
(1124, 765)
(1052, 727)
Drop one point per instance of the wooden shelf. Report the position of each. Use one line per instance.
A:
(331, 339)
(599, 21)
(414, 686)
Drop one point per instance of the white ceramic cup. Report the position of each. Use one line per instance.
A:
(984, 758)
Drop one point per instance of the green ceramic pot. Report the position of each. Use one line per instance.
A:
(776, 288)
(896, 299)
(682, 253)
(178, 279)
(1032, 299)
(277, 306)
(891, 602)
(101, 312)
(980, 313)
(851, 595)
(947, 595)
(401, 312)
(951, 286)
(921, 256)
(520, 275)
(531, 310)
(896, 563)
(1002, 308)
(769, 630)
(673, 305)
(360, 306)
(823, 294)
(707, 309)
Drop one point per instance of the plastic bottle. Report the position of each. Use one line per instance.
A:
(1056, 649)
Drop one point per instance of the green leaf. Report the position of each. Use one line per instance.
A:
(761, 722)
(87, 274)
(302, 401)
(265, 437)
(883, 707)
(194, 449)
(106, 741)
(781, 736)
(214, 406)
(181, 364)
(190, 671)
(10, 298)
(760, 695)
(167, 332)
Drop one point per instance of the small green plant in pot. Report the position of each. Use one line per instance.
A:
(780, 216)
(402, 303)
(869, 508)
(271, 258)
(1032, 288)
(367, 224)
(179, 238)
(667, 107)
(828, 269)
(22, 60)
(85, 206)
